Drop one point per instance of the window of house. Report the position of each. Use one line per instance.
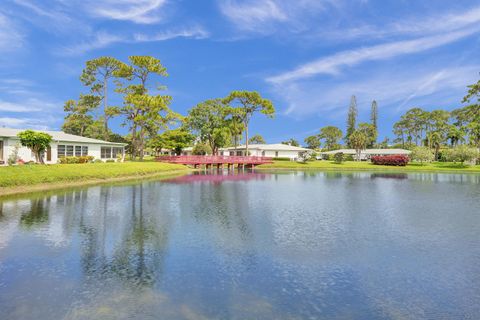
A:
(263, 153)
(116, 151)
(61, 151)
(78, 151)
(84, 151)
(106, 152)
(276, 154)
(69, 151)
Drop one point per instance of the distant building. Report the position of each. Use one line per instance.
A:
(63, 145)
(277, 150)
(366, 153)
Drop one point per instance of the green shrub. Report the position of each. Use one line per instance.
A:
(338, 157)
(461, 154)
(110, 160)
(422, 154)
(348, 157)
(97, 161)
(73, 160)
(281, 159)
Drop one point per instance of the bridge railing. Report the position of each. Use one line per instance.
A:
(214, 159)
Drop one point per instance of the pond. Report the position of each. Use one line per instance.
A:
(289, 245)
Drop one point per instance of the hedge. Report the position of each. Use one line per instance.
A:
(391, 160)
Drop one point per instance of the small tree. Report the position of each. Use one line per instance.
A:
(13, 157)
(312, 142)
(358, 140)
(38, 142)
(422, 154)
(462, 153)
(257, 139)
(291, 142)
(201, 149)
(338, 157)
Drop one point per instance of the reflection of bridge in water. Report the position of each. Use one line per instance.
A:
(219, 177)
(218, 161)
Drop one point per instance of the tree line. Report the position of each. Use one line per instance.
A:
(211, 124)
(417, 128)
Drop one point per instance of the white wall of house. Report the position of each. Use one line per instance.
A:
(71, 149)
(293, 155)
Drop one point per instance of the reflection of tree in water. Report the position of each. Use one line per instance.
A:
(38, 213)
(137, 258)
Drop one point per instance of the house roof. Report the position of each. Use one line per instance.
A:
(57, 136)
(271, 147)
(370, 151)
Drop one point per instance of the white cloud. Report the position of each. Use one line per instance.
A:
(11, 38)
(253, 14)
(22, 123)
(266, 16)
(334, 63)
(137, 11)
(27, 105)
(195, 33)
(398, 89)
(104, 39)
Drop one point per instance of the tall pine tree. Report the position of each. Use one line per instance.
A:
(351, 119)
(374, 119)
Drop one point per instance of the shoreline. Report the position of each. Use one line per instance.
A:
(6, 192)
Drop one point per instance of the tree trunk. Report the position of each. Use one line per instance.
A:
(246, 138)
(134, 141)
(105, 121)
(141, 144)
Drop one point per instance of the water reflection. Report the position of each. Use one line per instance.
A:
(280, 245)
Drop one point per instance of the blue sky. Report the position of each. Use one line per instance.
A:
(308, 56)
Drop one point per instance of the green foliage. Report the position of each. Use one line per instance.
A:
(338, 157)
(248, 103)
(281, 159)
(257, 139)
(175, 140)
(462, 154)
(370, 132)
(13, 157)
(145, 114)
(38, 142)
(201, 149)
(291, 142)
(422, 154)
(209, 121)
(312, 142)
(351, 120)
(331, 136)
(74, 160)
(96, 75)
(358, 141)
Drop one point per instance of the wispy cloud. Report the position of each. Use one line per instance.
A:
(194, 33)
(396, 88)
(11, 38)
(27, 105)
(264, 17)
(103, 39)
(333, 64)
(137, 11)
(24, 123)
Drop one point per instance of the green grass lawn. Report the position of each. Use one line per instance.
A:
(27, 175)
(363, 165)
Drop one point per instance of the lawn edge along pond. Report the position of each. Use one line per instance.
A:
(35, 178)
(440, 167)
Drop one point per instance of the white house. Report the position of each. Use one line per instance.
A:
(63, 145)
(276, 150)
(367, 153)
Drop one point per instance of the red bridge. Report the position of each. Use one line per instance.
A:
(219, 161)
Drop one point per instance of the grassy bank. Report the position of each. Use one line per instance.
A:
(367, 166)
(19, 179)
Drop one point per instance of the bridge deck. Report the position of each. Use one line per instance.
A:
(215, 160)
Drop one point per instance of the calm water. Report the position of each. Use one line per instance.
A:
(254, 246)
